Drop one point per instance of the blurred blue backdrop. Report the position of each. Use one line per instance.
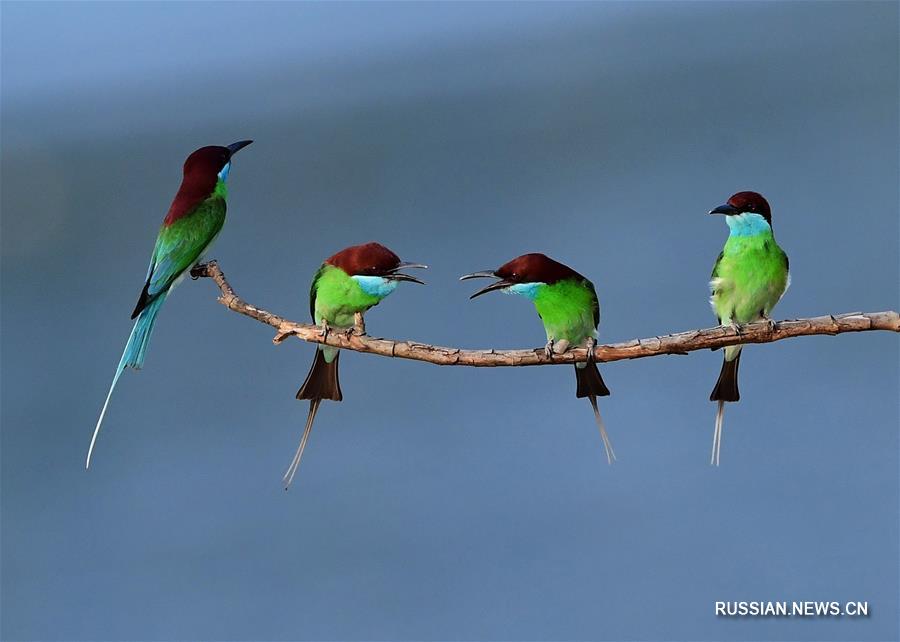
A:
(445, 503)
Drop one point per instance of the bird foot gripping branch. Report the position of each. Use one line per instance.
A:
(200, 270)
(548, 349)
(359, 325)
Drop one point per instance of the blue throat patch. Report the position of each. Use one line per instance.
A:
(527, 290)
(377, 286)
(747, 224)
(223, 173)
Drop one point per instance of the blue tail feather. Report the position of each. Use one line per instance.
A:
(136, 349)
(132, 357)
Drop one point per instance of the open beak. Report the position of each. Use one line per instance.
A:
(727, 210)
(234, 148)
(486, 274)
(395, 275)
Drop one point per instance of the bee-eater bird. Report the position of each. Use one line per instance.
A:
(567, 304)
(194, 220)
(749, 278)
(348, 283)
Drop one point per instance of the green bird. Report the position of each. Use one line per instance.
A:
(346, 285)
(749, 278)
(567, 304)
(191, 225)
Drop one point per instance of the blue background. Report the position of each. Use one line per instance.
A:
(445, 503)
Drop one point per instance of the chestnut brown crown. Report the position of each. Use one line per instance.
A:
(368, 259)
(743, 203)
(534, 268)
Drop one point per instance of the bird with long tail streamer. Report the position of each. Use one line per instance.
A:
(191, 225)
(748, 280)
(567, 304)
(347, 284)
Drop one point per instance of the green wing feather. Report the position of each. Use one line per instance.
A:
(715, 272)
(713, 282)
(314, 286)
(596, 303)
(179, 246)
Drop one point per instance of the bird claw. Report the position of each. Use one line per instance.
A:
(359, 325)
(324, 329)
(355, 330)
(737, 328)
(591, 344)
(548, 349)
(198, 271)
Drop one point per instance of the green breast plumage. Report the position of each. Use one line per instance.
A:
(750, 276)
(335, 297)
(568, 309)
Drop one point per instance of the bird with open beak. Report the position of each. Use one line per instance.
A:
(346, 285)
(567, 304)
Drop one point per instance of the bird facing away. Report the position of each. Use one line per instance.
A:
(194, 220)
(348, 283)
(749, 278)
(567, 304)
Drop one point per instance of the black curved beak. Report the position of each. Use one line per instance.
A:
(486, 274)
(234, 148)
(399, 276)
(727, 210)
(404, 265)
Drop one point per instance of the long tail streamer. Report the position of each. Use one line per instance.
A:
(119, 370)
(610, 453)
(295, 463)
(132, 357)
(717, 435)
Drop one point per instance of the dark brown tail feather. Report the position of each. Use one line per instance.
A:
(590, 383)
(322, 380)
(727, 386)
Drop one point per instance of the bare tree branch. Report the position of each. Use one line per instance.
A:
(678, 343)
